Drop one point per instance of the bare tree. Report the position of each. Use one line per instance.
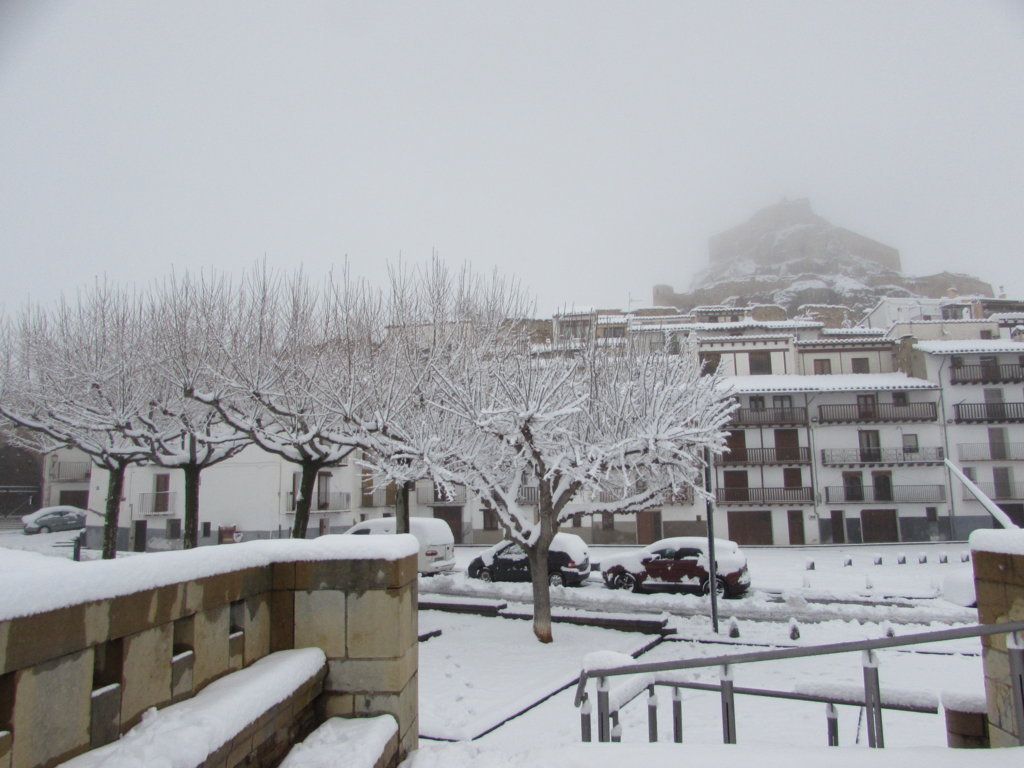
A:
(77, 376)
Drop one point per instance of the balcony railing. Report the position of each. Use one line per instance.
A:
(768, 456)
(999, 491)
(158, 503)
(880, 412)
(340, 501)
(989, 411)
(988, 373)
(529, 494)
(435, 497)
(753, 417)
(765, 495)
(832, 457)
(991, 451)
(896, 494)
(70, 471)
(378, 497)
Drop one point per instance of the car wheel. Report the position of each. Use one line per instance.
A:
(485, 575)
(705, 588)
(44, 529)
(626, 581)
(556, 580)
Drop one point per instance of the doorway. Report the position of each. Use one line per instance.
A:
(879, 526)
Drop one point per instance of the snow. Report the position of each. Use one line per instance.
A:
(853, 692)
(39, 587)
(1000, 541)
(185, 734)
(962, 701)
(47, 510)
(958, 588)
(969, 346)
(846, 382)
(621, 689)
(476, 755)
(356, 742)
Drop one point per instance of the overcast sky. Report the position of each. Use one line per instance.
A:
(591, 148)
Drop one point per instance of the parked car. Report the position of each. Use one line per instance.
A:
(679, 563)
(568, 562)
(437, 543)
(49, 519)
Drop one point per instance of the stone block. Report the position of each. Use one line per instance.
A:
(404, 706)
(105, 716)
(333, 704)
(320, 621)
(355, 575)
(146, 672)
(283, 576)
(379, 675)
(381, 623)
(964, 727)
(409, 740)
(211, 645)
(991, 600)
(236, 650)
(54, 694)
(182, 675)
(30, 640)
(257, 627)
(282, 620)
(991, 566)
(999, 738)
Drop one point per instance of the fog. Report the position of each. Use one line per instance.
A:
(590, 148)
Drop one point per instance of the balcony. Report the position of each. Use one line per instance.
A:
(880, 412)
(764, 495)
(991, 451)
(528, 495)
(987, 373)
(839, 457)
(999, 491)
(158, 503)
(767, 456)
(432, 496)
(340, 501)
(70, 471)
(896, 494)
(757, 417)
(378, 497)
(967, 412)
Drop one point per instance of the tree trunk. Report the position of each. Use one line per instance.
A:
(305, 499)
(115, 483)
(538, 555)
(402, 507)
(191, 505)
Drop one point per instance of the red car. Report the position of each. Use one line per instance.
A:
(679, 563)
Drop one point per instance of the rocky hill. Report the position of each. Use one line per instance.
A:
(786, 254)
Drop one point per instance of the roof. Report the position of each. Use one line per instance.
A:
(771, 325)
(1007, 316)
(969, 346)
(846, 382)
(872, 341)
(855, 331)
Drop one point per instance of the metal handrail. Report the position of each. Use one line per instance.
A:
(790, 455)
(897, 494)
(833, 456)
(880, 412)
(917, 638)
(986, 373)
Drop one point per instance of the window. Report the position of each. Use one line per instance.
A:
(607, 521)
(853, 488)
(685, 553)
(792, 477)
(760, 363)
(490, 520)
(161, 492)
(782, 401)
(709, 361)
(899, 399)
(577, 520)
(971, 473)
(756, 403)
(931, 514)
(881, 484)
(860, 365)
(323, 490)
(866, 406)
(870, 445)
(956, 361)
(910, 444)
(986, 334)
(822, 367)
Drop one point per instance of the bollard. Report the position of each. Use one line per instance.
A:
(76, 553)
(809, 565)
(878, 559)
(943, 557)
(602, 710)
(1015, 652)
(677, 716)
(652, 714)
(728, 707)
(832, 720)
(585, 731)
(872, 700)
(901, 559)
(922, 559)
(965, 557)
(847, 562)
(794, 630)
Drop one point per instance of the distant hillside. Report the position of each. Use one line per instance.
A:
(786, 254)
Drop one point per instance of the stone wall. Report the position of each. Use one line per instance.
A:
(76, 677)
(999, 581)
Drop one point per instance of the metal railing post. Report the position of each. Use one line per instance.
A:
(602, 710)
(1015, 652)
(652, 714)
(728, 707)
(585, 728)
(873, 700)
(616, 727)
(677, 716)
(832, 718)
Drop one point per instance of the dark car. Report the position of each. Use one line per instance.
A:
(568, 562)
(54, 519)
(679, 563)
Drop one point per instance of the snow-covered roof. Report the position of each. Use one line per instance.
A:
(779, 337)
(854, 342)
(855, 331)
(969, 346)
(846, 382)
(770, 325)
(611, 319)
(1011, 317)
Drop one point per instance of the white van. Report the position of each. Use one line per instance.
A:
(437, 544)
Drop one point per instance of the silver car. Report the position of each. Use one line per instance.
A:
(51, 519)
